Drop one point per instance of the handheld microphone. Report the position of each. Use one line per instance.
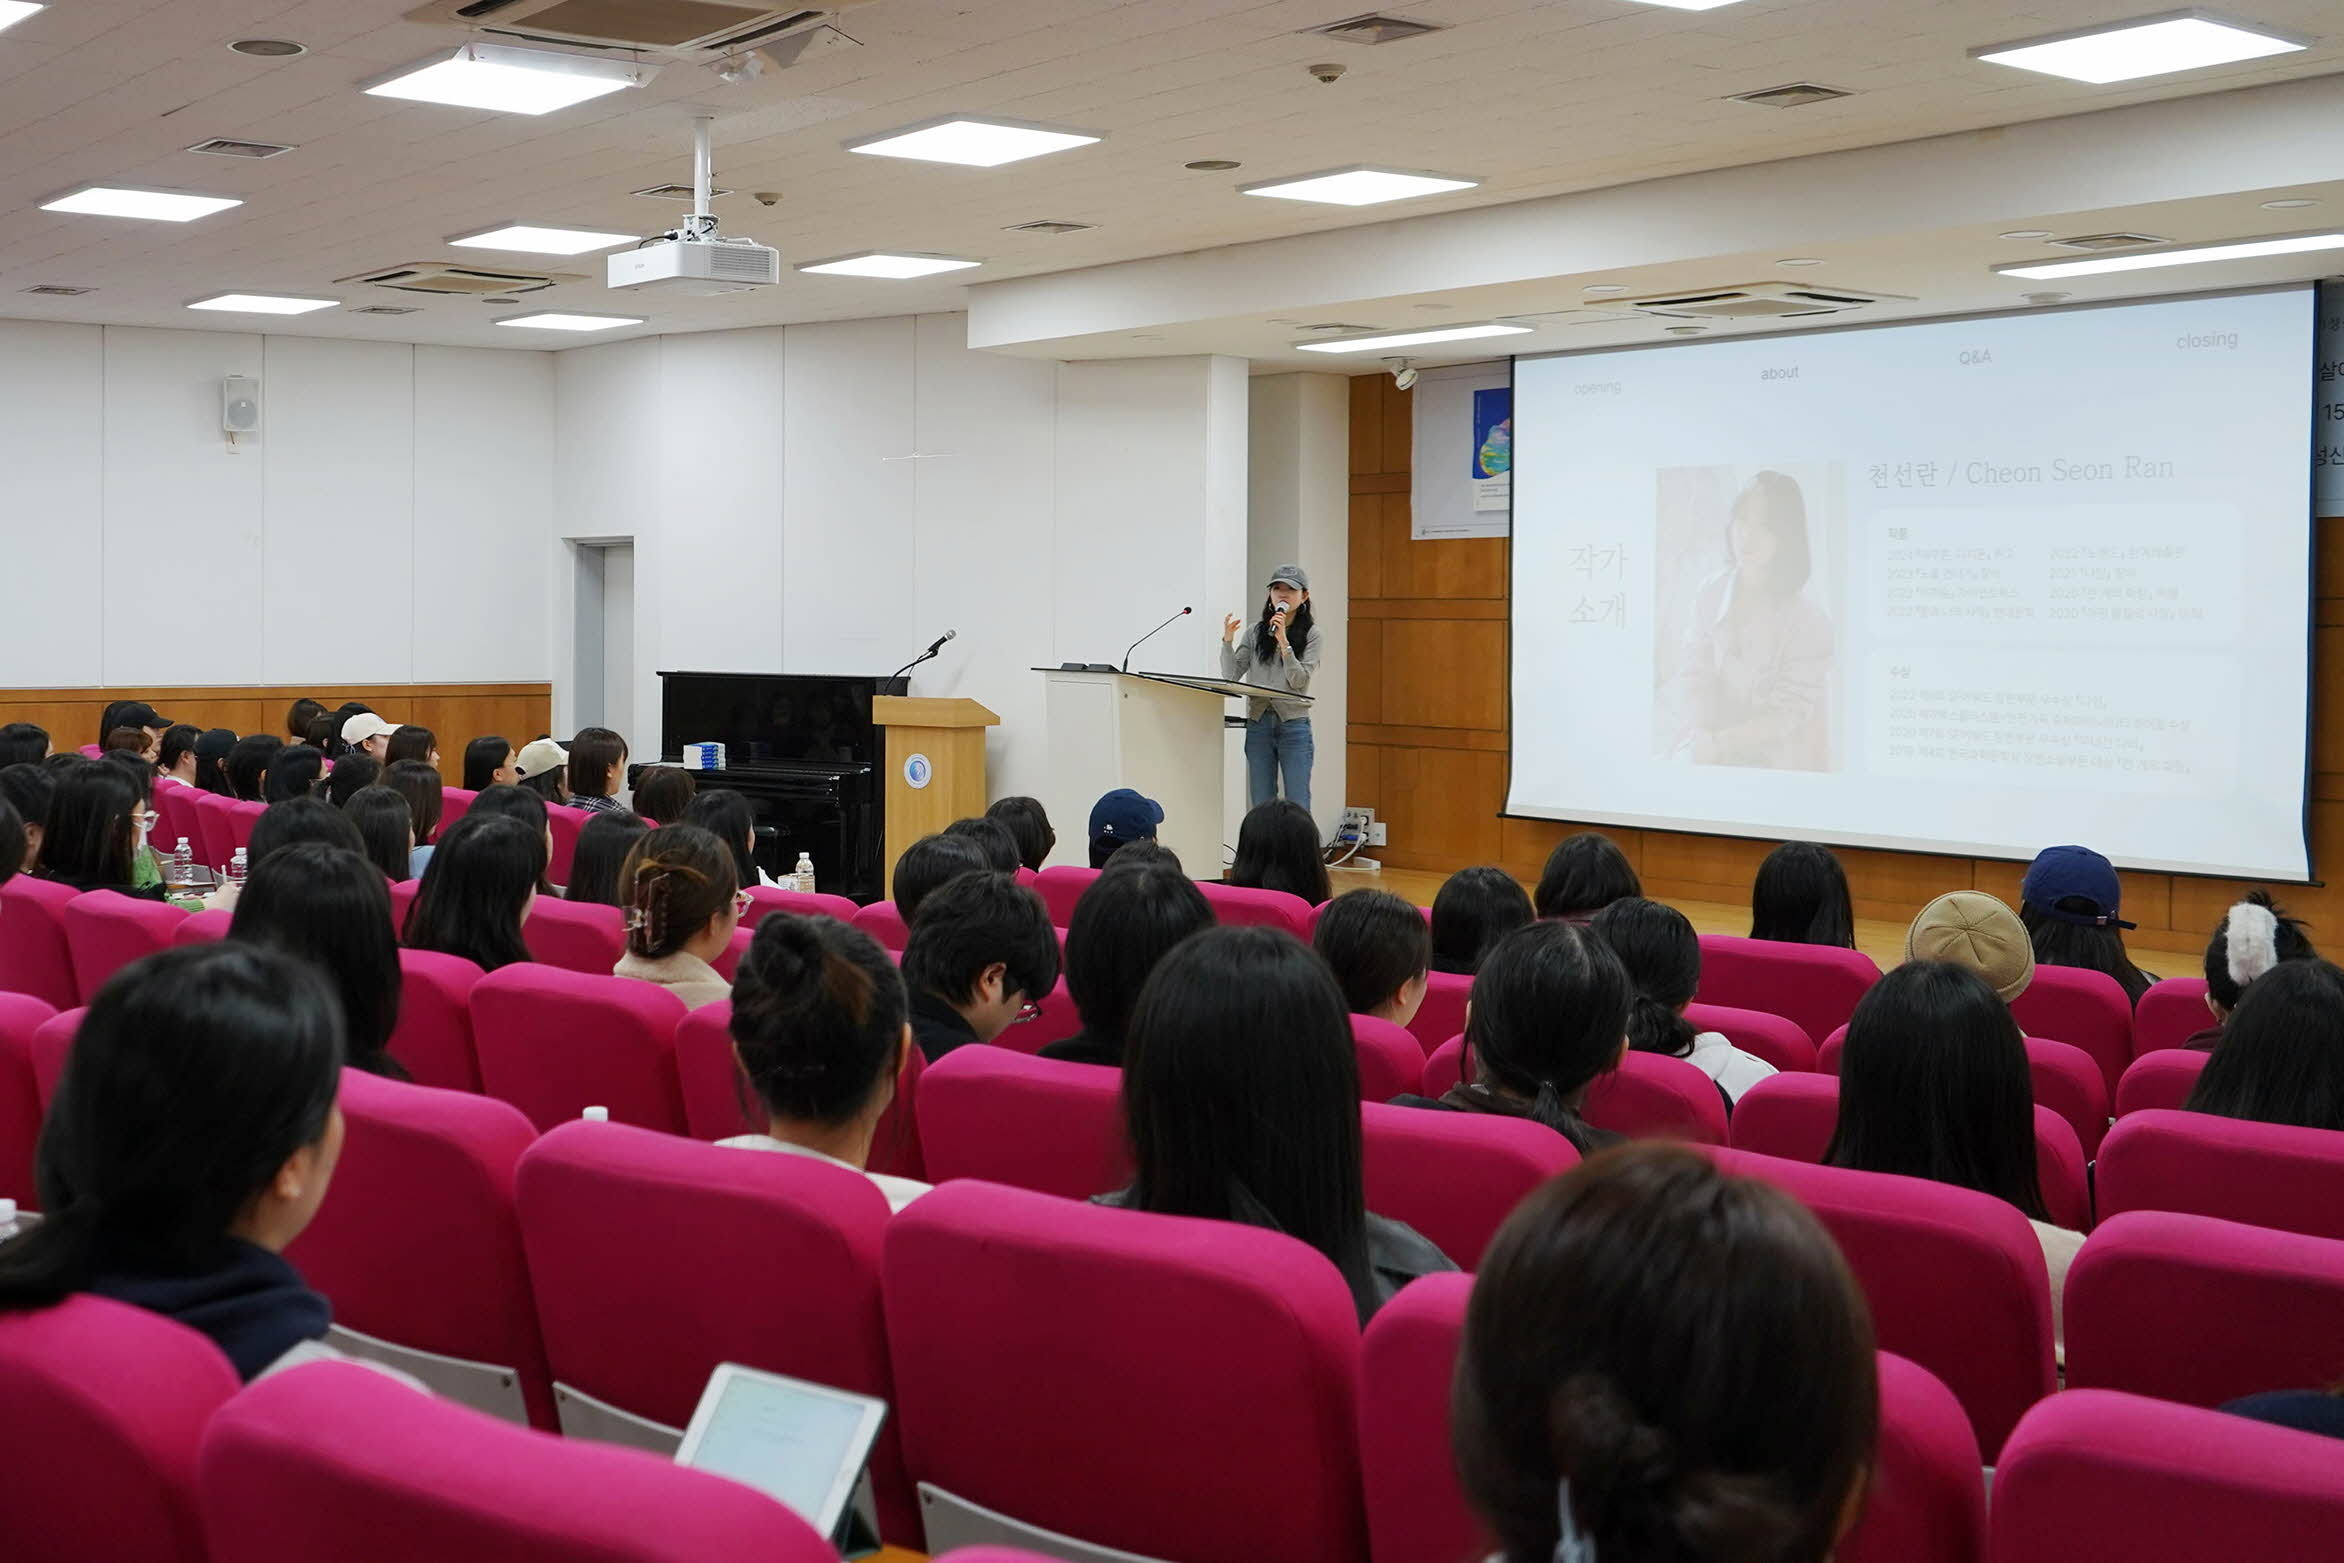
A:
(1150, 635)
(934, 646)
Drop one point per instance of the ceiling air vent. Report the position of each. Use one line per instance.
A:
(2105, 241)
(54, 290)
(1755, 301)
(1049, 225)
(386, 309)
(677, 192)
(221, 146)
(671, 29)
(1373, 28)
(1338, 328)
(448, 279)
(1794, 95)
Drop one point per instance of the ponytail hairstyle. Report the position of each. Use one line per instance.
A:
(818, 1013)
(1662, 957)
(196, 1073)
(387, 827)
(350, 773)
(1676, 1358)
(1550, 1008)
(2254, 936)
(1584, 874)
(674, 881)
(331, 908)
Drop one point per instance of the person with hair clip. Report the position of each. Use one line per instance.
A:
(1585, 873)
(603, 844)
(992, 838)
(292, 773)
(192, 1137)
(489, 762)
(682, 903)
(2069, 905)
(2253, 937)
(482, 883)
(323, 905)
(350, 773)
(1801, 897)
(1278, 849)
(1132, 916)
(420, 783)
(1029, 826)
(2282, 1053)
(1474, 909)
(175, 759)
(1664, 1363)
(23, 743)
(1662, 957)
(1281, 655)
(1380, 951)
(300, 717)
(598, 769)
(819, 1025)
(387, 827)
(663, 793)
(1549, 1018)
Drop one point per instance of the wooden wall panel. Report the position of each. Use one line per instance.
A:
(1435, 673)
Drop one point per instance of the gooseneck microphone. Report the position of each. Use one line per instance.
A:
(1151, 635)
(934, 646)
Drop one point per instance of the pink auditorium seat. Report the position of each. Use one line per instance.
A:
(719, 1104)
(455, 803)
(34, 957)
(403, 896)
(217, 825)
(92, 751)
(728, 963)
(2093, 1476)
(2169, 1014)
(243, 814)
(580, 936)
(1236, 906)
(2163, 1078)
(2201, 1311)
(565, 823)
(1390, 1062)
(1780, 1042)
(333, 1460)
(1650, 1097)
(1814, 985)
(52, 1041)
(2065, 1079)
(884, 923)
(174, 818)
(1030, 1123)
(419, 1245)
(2085, 1009)
(2262, 1174)
(107, 1406)
(1060, 888)
(1026, 877)
(1455, 1177)
(1442, 1015)
(1011, 1316)
(555, 1042)
(732, 1256)
(105, 932)
(764, 900)
(203, 927)
(1955, 1278)
(1444, 1070)
(434, 1035)
(20, 1096)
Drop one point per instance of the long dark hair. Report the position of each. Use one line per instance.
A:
(1662, 957)
(351, 773)
(292, 773)
(1801, 897)
(211, 755)
(1933, 1084)
(331, 909)
(300, 716)
(476, 891)
(1475, 908)
(1681, 1354)
(23, 743)
(1550, 1008)
(297, 820)
(1375, 943)
(419, 782)
(482, 757)
(1029, 827)
(2061, 943)
(1278, 849)
(196, 1073)
(387, 827)
(674, 881)
(731, 819)
(1584, 874)
(248, 762)
(817, 1018)
(1241, 1090)
(510, 800)
(992, 837)
(603, 844)
(1298, 628)
(1130, 918)
(2281, 1059)
(663, 792)
(90, 835)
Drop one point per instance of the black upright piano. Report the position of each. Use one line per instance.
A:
(803, 750)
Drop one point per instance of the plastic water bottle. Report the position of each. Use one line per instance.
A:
(9, 1225)
(180, 870)
(236, 868)
(596, 1115)
(804, 873)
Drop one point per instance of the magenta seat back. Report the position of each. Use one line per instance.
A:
(555, 1042)
(434, 1035)
(2093, 1476)
(418, 1242)
(243, 814)
(92, 751)
(1011, 1317)
(1444, 1071)
(2160, 1079)
(1390, 1062)
(733, 1256)
(1926, 1503)
(333, 1460)
(1778, 1041)
(1060, 888)
(565, 823)
(1442, 1014)
(2065, 1079)
(455, 803)
(174, 818)
(719, 1103)
(764, 900)
(2085, 1009)
(2262, 1174)
(1239, 906)
(728, 961)
(1030, 1123)
(216, 828)
(580, 936)
(107, 1406)
(2169, 1014)
(1814, 985)
(34, 957)
(403, 896)
(1455, 1177)
(21, 1015)
(105, 931)
(52, 1041)
(1650, 1097)
(1955, 1278)
(884, 923)
(208, 927)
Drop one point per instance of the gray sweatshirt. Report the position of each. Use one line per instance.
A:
(1290, 673)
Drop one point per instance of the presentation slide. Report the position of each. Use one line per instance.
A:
(1974, 586)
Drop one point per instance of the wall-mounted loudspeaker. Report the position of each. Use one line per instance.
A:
(239, 404)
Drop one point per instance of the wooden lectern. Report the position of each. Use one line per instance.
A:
(935, 766)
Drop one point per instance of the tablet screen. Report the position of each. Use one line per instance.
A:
(794, 1442)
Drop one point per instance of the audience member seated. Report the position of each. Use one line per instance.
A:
(363, 732)
(1131, 917)
(2069, 904)
(386, 826)
(1662, 957)
(2282, 1053)
(1241, 1099)
(521, 803)
(683, 903)
(489, 762)
(325, 736)
(1028, 824)
(663, 793)
(2318, 1411)
(982, 956)
(192, 1137)
(248, 762)
(1933, 1083)
(1975, 931)
(603, 846)
(23, 743)
(1474, 909)
(95, 835)
(1380, 951)
(326, 906)
(931, 862)
(29, 790)
(135, 741)
(301, 819)
(292, 773)
(351, 773)
(543, 767)
(132, 713)
(1278, 849)
(175, 758)
(1120, 818)
(598, 769)
(483, 881)
(410, 742)
(1660, 1361)
(13, 845)
(1549, 1017)
(2254, 937)
(1584, 874)
(420, 783)
(731, 819)
(337, 720)
(300, 717)
(992, 838)
(211, 759)
(1801, 897)
(819, 1024)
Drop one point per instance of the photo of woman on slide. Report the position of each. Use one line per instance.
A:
(1745, 672)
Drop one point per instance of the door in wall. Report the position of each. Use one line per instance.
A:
(604, 661)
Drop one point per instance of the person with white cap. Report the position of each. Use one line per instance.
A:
(368, 734)
(543, 768)
(1280, 655)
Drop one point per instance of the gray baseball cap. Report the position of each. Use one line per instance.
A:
(1290, 575)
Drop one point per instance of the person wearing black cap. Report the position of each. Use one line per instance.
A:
(1280, 655)
(2069, 902)
(1120, 818)
(132, 713)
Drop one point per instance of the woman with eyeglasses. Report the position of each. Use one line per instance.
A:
(683, 900)
(95, 837)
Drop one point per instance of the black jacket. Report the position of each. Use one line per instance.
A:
(1083, 1048)
(937, 1026)
(250, 1301)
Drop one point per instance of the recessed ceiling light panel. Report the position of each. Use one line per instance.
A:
(538, 239)
(2289, 203)
(1370, 344)
(223, 146)
(1800, 260)
(268, 48)
(2147, 46)
(506, 80)
(555, 320)
(263, 303)
(55, 290)
(2176, 255)
(169, 206)
(1358, 186)
(2025, 233)
(15, 11)
(893, 265)
(972, 143)
(1691, 5)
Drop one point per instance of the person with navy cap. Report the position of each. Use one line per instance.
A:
(1280, 654)
(2070, 902)
(1120, 818)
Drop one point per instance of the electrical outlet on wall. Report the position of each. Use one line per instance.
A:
(1378, 835)
(1356, 817)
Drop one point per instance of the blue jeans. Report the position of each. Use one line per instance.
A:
(1272, 744)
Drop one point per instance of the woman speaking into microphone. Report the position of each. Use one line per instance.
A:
(1280, 653)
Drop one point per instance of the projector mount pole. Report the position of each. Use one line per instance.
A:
(702, 222)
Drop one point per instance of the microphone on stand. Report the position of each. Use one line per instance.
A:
(934, 646)
(1151, 635)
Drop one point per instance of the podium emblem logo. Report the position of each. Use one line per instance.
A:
(917, 772)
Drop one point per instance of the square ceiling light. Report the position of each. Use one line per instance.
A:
(168, 206)
(2174, 255)
(555, 320)
(15, 11)
(896, 265)
(972, 143)
(507, 80)
(1392, 339)
(2147, 46)
(1358, 186)
(537, 239)
(263, 303)
(1691, 5)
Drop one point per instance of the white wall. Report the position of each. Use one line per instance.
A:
(386, 525)
(1300, 484)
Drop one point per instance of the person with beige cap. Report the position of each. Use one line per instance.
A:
(367, 734)
(1974, 930)
(542, 766)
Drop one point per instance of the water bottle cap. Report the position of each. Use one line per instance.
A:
(596, 1115)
